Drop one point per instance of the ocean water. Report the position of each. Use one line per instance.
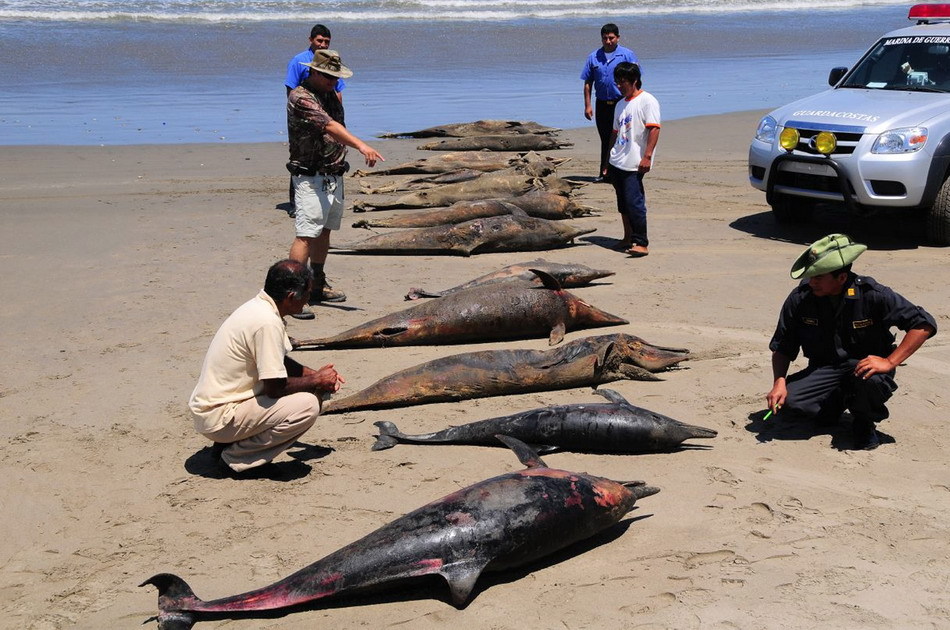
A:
(172, 71)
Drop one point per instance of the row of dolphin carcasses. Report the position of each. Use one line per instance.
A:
(520, 301)
(508, 520)
(477, 199)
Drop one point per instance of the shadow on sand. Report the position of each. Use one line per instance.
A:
(783, 426)
(885, 231)
(204, 464)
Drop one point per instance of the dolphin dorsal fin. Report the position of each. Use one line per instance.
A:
(549, 281)
(611, 395)
(525, 453)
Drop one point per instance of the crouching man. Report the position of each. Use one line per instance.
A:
(252, 400)
(842, 323)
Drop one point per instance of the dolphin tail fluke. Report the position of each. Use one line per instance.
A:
(388, 436)
(174, 595)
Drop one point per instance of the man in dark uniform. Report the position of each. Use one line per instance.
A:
(842, 323)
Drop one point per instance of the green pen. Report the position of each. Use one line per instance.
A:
(766, 416)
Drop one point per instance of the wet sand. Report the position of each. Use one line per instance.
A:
(121, 262)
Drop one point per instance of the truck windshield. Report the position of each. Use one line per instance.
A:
(904, 63)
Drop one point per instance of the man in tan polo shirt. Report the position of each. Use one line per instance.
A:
(252, 400)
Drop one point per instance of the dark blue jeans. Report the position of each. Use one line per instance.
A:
(830, 388)
(631, 201)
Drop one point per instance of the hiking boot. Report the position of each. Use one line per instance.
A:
(323, 292)
(305, 314)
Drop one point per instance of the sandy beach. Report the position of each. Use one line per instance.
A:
(120, 262)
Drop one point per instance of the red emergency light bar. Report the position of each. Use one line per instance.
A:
(925, 12)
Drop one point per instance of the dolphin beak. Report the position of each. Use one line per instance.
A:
(639, 489)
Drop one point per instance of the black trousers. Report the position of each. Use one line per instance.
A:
(830, 389)
(604, 117)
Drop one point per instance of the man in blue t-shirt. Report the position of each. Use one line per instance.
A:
(598, 77)
(297, 72)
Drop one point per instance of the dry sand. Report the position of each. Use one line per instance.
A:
(119, 263)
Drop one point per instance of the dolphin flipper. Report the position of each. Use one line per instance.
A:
(461, 577)
(525, 453)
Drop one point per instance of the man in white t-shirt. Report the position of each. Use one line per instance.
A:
(252, 400)
(635, 134)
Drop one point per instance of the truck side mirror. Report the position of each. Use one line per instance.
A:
(835, 75)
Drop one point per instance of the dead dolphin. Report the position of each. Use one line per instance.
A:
(476, 128)
(580, 363)
(508, 233)
(481, 313)
(614, 427)
(506, 175)
(458, 212)
(519, 142)
(500, 523)
(535, 203)
(568, 275)
(488, 186)
(484, 161)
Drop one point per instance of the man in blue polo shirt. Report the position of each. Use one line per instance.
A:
(297, 72)
(598, 77)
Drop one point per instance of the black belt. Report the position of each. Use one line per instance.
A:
(608, 102)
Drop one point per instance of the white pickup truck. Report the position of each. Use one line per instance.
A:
(879, 138)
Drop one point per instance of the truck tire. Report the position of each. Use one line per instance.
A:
(938, 217)
(788, 209)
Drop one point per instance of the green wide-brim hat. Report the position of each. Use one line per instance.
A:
(825, 255)
(328, 62)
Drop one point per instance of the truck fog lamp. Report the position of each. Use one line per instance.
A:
(826, 142)
(789, 138)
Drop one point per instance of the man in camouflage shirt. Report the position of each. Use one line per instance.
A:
(318, 142)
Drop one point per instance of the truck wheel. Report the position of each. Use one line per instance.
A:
(788, 209)
(938, 217)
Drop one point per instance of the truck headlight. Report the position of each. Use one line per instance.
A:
(904, 140)
(766, 130)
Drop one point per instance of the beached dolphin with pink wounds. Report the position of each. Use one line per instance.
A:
(497, 524)
(478, 314)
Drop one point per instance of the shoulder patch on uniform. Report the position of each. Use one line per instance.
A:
(862, 323)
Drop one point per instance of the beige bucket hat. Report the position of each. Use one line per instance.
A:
(328, 62)
(827, 254)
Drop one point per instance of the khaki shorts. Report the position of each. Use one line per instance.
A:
(319, 204)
